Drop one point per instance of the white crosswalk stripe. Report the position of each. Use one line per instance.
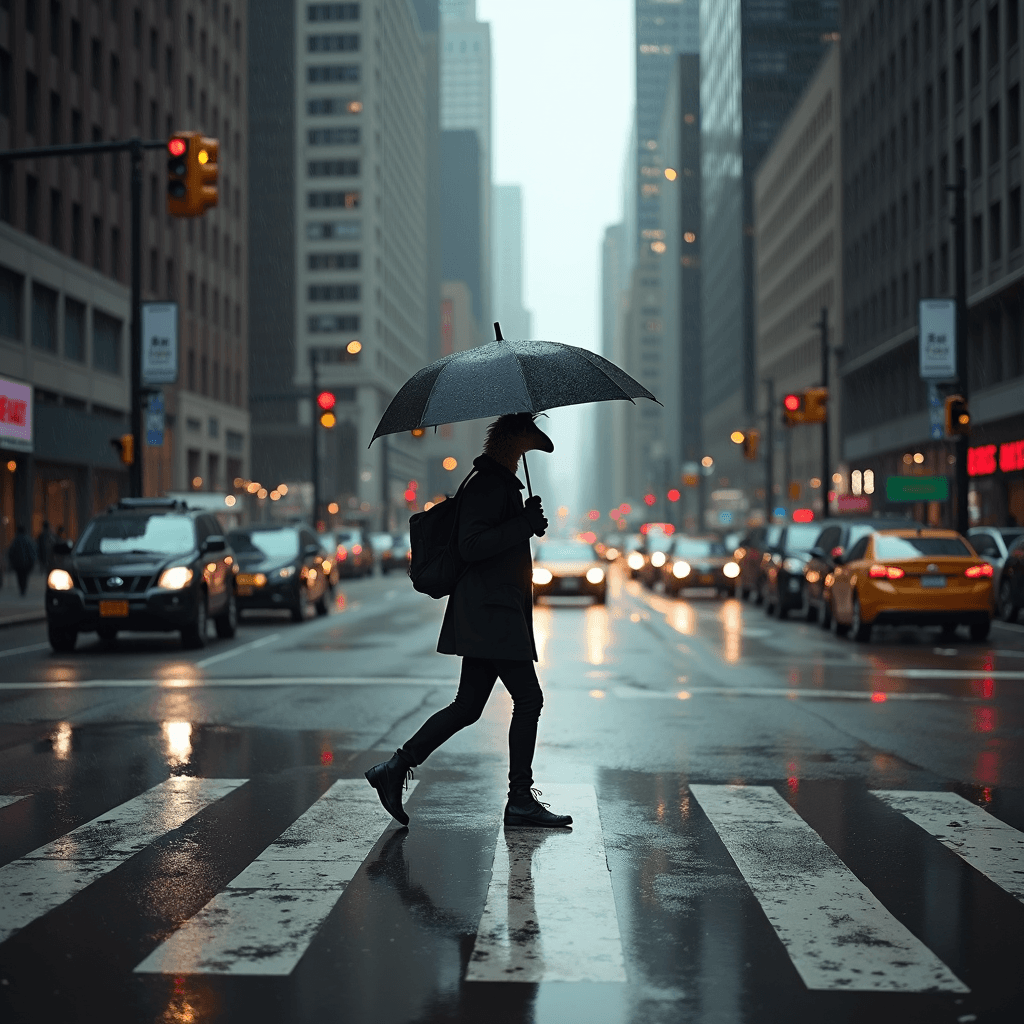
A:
(35, 884)
(265, 919)
(550, 912)
(837, 934)
(986, 843)
(7, 799)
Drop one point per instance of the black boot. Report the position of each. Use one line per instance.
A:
(387, 778)
(523, 808)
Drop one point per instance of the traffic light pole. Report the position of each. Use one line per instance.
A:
(313, 419)
(960, 244)
(769, 451)
(135, 147)
(826, 471)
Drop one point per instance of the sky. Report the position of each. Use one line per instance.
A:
(562, 104)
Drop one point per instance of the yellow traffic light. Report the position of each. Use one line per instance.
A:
(191, 174)
(751, 439)
(328, 419)
(815, 405)
(958, 416)
(125, 445)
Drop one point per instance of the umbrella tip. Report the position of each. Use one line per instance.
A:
(497, 331)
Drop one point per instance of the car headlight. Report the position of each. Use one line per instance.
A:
(635, 561)
(595, 575)
(287, 572)
(175, 578)
(327, 566)
(730, 570)
(681, 570)
(794, 566)
(60, 579)
(541, 575)
(611, 554)
(658, 559)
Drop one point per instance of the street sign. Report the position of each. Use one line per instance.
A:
(15, 416)
(159, 342)
(916, 488)
(937, 339)
(936, 412)
(155, 419)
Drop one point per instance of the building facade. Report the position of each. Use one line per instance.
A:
(362, 249)
(798, 273)
(756, 60)
(507, 262)
(929, 88)
(80, 71)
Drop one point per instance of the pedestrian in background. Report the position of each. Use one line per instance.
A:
(44, 547)
(21, 555)
(489, 622)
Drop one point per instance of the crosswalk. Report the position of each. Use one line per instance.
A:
(550, 908)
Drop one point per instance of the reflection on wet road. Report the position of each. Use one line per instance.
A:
(770, 823)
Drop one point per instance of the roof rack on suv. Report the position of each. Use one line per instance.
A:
(154, 503)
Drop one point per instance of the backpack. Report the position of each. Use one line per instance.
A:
(435, 566)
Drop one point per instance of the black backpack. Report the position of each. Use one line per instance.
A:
(435, 566)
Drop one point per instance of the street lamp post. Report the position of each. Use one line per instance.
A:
(769, 450)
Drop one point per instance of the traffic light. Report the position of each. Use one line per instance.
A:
(418, 431)
(191, 174)
(125, 445)
(793, 409)
(815, 405)
(326, 402)
(751, 439)
(958, 416)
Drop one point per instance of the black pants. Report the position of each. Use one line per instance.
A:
(475, 685)
(22, 575)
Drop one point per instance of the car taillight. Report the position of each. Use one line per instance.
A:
(342, 554)
(837, 551)
(357, 549)
(978, 571)
(886, 572)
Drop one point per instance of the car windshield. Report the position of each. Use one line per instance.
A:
(283, 543)
(802, 538)
(159, 534)
(659, 541)
(893, 548)
(565, 551)
(1010, 537)
(691, 547)
(347, 537)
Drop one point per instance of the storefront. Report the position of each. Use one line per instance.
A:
(995, 466)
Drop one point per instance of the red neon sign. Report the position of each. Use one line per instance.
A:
(1011, 456)
(985, 459)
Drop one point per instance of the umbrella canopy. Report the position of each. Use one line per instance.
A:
(505, 377)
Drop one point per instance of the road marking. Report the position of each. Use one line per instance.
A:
(875, 696)
(1015, 627)
(201, 684)
(986, 843)
(265, 919)
(24, 650)
(1007, 654)
(7, 799)
(838, 935)
(550, 913)
(47, 877)
(252, 645)
(951, 673)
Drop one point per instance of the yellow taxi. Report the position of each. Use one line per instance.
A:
(922, 577)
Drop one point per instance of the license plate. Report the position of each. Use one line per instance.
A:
(244, 590)
(569, 585)
(933, 581)
(707, 579)
(113, 609)
(246, 579)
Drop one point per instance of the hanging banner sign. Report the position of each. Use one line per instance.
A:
(15, 416)
(937, 339)
(159, 343)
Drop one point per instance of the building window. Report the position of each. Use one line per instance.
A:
(976, 58)
(6, 193)
(995, 232)
(334, 42)
(976, 244)
(191, 362)
(333, 136)
(349, 229)
(993, 34)
(1013, 117)
(97, 243)
(55, 119)
(334, 261)
(76, 46)
(976, 149)
(115, 253)
(328, 200)
(96, 64)
(1013, 216)
(958, 76)
(115, 79)
(333, 168)
(56, 218)
(1012, 24)
(74, 330)
(319, 74)
(32, 204)
(332, 12)
(76, 230)
(31, 103)
(329, 323)
(333, 293)
(44, 318)
(10, 303)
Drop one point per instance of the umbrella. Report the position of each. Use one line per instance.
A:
(505, 377)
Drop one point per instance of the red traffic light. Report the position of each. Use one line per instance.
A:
(410, 495)
(593, 515)
(177, 147)
(673, 495)
(325, 400)
(649, 499)
(791, 402)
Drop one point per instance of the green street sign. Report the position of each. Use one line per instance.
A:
(916, 488)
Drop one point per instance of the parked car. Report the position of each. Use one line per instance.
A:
(568, 568)
(327, 549)
(699, 562)
(631, 546)
(753, 556)
(657, 545)
(144, 564)
(353, 552)
(280, 567)
(401, 552)
(1010, 597)
(783, 581)
(382, 543)
(912, 577)
(993, 543)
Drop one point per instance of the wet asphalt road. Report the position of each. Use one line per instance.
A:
(771, 823)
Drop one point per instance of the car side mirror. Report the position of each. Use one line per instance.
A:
(62, 547)
(310, 550)
(215, 542)
(837, 559)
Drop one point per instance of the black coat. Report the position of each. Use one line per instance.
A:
(490, 613)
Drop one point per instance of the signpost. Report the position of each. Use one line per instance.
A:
(155, 419)
(937, 339)
(916, 488)
(159, 343)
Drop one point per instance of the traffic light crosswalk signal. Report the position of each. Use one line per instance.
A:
(958, 416)
(191, 174)
(793, 410)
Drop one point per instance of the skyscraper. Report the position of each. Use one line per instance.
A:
(507, 263)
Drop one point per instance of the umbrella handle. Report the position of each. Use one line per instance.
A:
(526, 469)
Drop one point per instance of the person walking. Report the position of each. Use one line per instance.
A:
(21, 555)
(44, 546)
(489, 622)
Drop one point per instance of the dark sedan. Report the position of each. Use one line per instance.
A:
(145, 564)
(784, 574)
(700, 563)
(280, 567)
(353, 552)
(1011, 586)
(753, 557)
